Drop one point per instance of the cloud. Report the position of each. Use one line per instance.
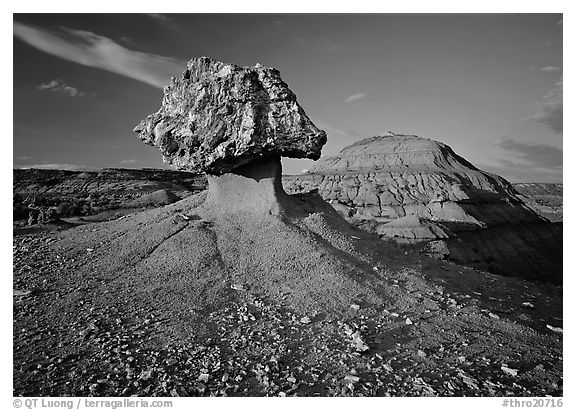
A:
(549, 111)
(334, 130)
(356, 97)
(560, 22)
(59, 86)
(68, 167)
(93, 50)
(550, 68)
(129, 161)
(541, 156)
(162, 19)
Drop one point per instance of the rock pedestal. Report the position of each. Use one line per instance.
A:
(232, 123)
(253, 188)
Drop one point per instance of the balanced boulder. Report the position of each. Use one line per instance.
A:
(218, 116)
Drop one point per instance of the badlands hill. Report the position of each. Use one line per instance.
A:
(416, 190)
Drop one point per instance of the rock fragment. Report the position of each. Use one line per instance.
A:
(555, 329)
(352, 378)
(358, 343)
(508, 370)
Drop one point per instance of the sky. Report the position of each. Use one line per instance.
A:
(488, 85)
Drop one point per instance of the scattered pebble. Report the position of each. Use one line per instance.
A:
(358, 343)
(387, 367)
(351, 378)
(508, 370)
(260, 353)
(555, 329)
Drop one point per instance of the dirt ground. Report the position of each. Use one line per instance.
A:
(175, 301)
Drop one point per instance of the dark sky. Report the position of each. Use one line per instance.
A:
(489, 85)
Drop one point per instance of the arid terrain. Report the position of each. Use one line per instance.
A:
(395, 268)
(82, 330)
(88, 193)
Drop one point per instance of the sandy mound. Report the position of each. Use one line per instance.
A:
(155, 199)
(190, 254)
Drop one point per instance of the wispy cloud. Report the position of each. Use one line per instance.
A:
(560, 22)
(68, 167)
(550, 68)
(356, 97)
(542, 156)
(59, 86)
(335, 130)
(162, 19)
(93, 50)
(129, 161)
(549, 111)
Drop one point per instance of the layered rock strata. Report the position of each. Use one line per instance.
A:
(545, 199)
(416, 190)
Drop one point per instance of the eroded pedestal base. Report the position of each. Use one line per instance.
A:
(255, 187)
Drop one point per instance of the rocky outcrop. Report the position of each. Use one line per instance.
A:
(233, 123)
(416, 190)
(218, 116)
(544, 198)
(42, 215)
